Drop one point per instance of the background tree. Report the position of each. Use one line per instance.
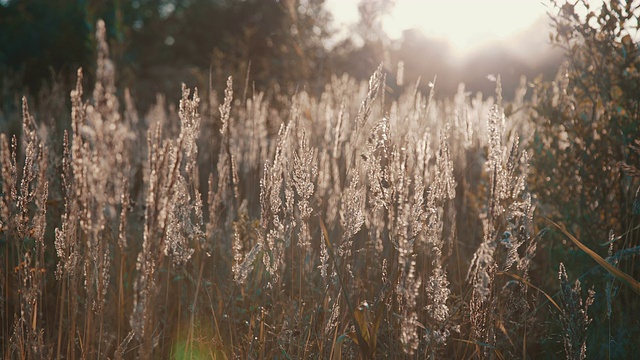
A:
(157, 44)
(361, 53)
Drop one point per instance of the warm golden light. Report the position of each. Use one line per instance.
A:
(466, 24)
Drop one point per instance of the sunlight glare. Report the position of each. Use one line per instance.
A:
(466, 24)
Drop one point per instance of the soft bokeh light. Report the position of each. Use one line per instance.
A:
(466, 24)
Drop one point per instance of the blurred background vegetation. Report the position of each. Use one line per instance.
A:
(290, 44)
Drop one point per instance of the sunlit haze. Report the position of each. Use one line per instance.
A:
(466, 24)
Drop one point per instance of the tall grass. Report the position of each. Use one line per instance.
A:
(351, 223)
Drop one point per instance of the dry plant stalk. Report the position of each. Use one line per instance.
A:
(23, 208)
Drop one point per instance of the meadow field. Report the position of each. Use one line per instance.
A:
(366, 220)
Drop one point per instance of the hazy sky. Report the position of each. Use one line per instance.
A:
(465, 23)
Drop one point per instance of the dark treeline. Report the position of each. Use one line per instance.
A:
(157, 44)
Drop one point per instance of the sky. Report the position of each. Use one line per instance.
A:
(466, 24)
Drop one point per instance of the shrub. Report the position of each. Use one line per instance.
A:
(586, 123)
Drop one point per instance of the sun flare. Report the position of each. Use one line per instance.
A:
(466, 24)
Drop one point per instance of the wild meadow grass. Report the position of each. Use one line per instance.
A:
(354, 223)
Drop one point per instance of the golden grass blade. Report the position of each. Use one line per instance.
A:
(633, 283)
(362, 324)
(479, 344)
(337, 350)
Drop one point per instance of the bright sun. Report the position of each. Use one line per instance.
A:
(465, 23)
